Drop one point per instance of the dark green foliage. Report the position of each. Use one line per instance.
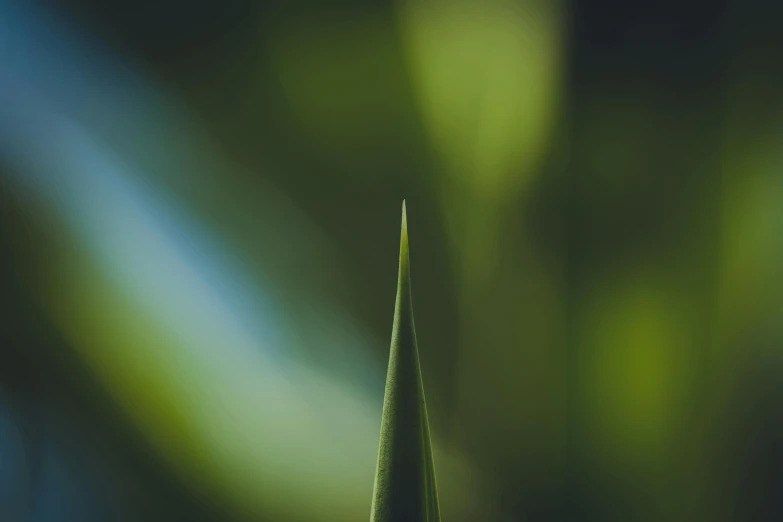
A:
(405, 489)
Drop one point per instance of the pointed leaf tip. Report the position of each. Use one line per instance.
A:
(405, 488)
(404, 242)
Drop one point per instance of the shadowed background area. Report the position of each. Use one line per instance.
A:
(199, 223)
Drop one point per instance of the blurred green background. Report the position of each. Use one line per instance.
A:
(199, 223)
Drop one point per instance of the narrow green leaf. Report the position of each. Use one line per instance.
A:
(405, 489)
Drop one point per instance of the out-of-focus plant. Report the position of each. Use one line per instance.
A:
(486, 80)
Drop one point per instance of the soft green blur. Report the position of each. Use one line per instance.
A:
(596, 265)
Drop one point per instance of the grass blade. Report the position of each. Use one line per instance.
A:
(405, 489)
